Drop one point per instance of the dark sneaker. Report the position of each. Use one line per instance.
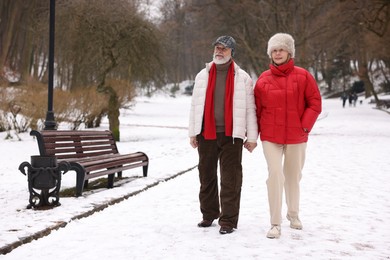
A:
(205, 223)
(225, 230)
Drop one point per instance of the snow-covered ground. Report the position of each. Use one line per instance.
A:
(345, 200)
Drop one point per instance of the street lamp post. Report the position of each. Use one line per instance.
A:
(50, 123)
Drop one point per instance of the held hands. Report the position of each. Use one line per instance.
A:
(250, 146)
(193, 142)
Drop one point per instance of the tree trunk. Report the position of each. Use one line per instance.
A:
(363, 75)
(113, 112)
(363, 70)
(11, 10)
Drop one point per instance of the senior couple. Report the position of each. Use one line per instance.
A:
(228, 113)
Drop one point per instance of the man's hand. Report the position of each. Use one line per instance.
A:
(250, 146)
(193, 142)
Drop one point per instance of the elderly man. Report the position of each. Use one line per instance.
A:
(222, 121)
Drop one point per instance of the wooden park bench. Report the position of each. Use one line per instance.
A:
(90, 153)
(383, 103)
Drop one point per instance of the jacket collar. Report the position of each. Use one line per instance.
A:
(208, 66)
(282, 70)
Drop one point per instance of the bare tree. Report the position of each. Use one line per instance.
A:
(97, 42)
(18, 37)
(365, 24)
(108, 41)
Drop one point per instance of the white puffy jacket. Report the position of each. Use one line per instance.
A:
(244, 109)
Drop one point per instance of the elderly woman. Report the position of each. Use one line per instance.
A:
(288, 103)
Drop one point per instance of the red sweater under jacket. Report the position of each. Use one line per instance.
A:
(287, 100)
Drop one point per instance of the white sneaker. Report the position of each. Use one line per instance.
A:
(274, 232)
(294, 222)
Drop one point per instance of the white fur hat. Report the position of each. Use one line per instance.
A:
(281, 41)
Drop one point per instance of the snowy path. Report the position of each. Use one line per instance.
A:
(345, 205)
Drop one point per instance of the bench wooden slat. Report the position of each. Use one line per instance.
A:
(91, 166)
(94, 158)
(108, 158)
(77, 150)
(79, 155)
(90, 153)
(75, 133)
(72, 144)
(51, 139)
(112, 171)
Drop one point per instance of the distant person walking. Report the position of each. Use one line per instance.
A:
(222, 120)
(344, 98)
(354, 99)
(350, 98)
(288, 103)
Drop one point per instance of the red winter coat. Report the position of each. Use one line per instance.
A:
(287, 101)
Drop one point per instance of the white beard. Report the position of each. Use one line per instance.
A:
(221, 61)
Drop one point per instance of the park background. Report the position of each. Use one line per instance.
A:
(110, 51)
(345, 205)
(135, 59)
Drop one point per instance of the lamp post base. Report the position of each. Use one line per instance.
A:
(50, 123)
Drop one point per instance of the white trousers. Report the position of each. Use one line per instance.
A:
(285, 163)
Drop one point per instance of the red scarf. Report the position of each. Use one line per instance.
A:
(210, 131)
